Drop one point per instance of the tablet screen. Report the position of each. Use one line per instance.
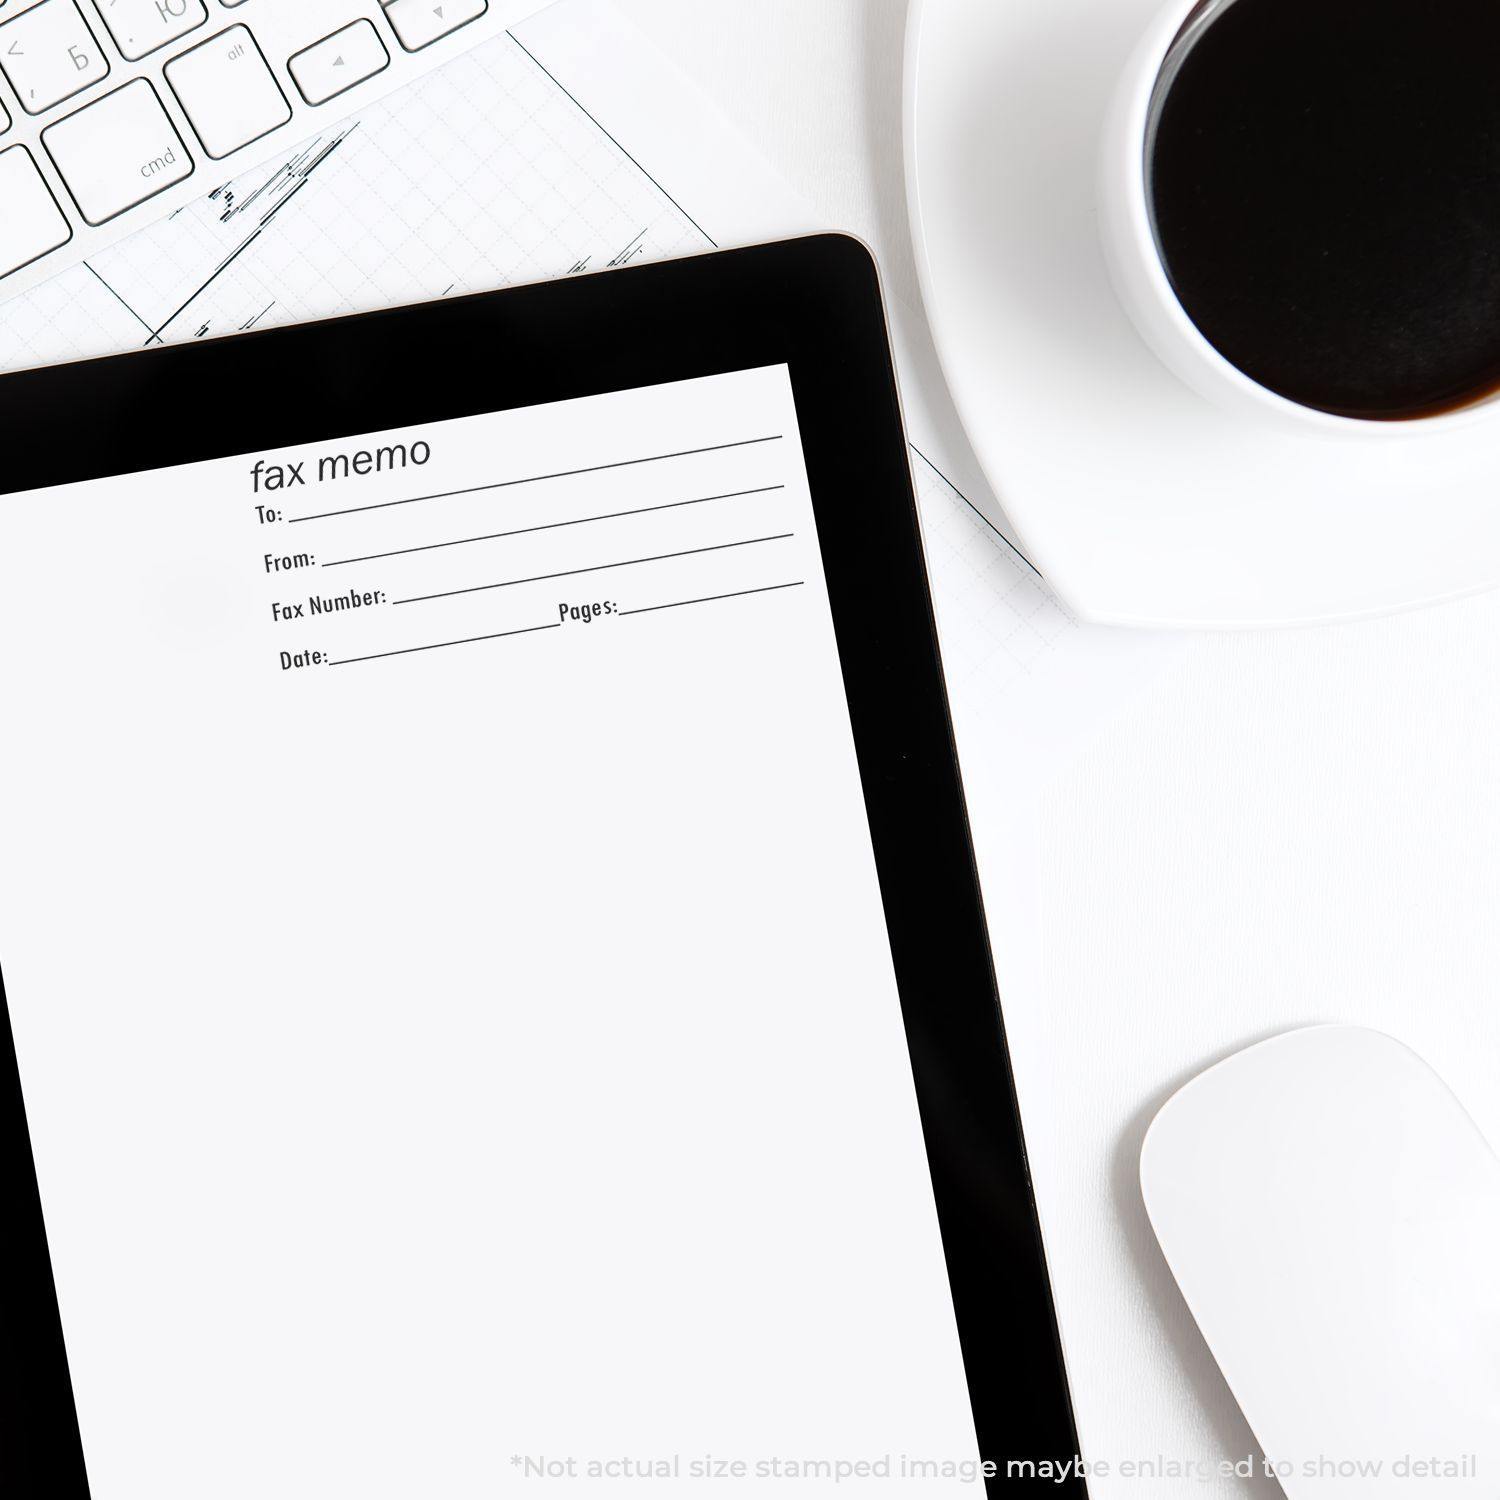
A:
(449, 979)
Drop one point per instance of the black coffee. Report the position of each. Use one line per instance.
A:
(1325, 179)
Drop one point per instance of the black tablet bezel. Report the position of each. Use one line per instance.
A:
(815, 305)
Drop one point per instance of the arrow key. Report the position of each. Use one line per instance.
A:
(420, 23)
(334, 65)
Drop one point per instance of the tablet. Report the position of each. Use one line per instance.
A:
(491, 942)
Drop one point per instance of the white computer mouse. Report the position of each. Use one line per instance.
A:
(1332, 1216)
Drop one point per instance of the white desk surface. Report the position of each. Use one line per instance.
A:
(1275, 830)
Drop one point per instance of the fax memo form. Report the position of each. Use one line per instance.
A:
(448, 973)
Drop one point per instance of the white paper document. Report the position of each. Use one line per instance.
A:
(445, 956)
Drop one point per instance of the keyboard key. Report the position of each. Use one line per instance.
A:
(31, 223)
(49, 54)
(420, 23)
(4, 120)
(327, 68)
(117, 152)
(228, 91)
(139, 27)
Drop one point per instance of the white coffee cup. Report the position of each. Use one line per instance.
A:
(1140, 276)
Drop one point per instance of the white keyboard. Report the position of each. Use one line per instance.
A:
(114, 113)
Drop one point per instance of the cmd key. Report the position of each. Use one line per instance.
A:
(117, 152)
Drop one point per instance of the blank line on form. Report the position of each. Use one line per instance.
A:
(495, 536)
(505, 484)
(629, 562)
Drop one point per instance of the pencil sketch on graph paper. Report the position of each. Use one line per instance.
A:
(482, 174)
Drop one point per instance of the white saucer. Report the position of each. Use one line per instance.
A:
(1141, 502)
